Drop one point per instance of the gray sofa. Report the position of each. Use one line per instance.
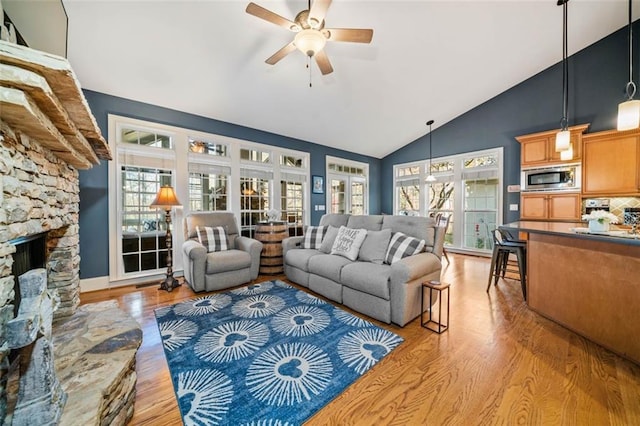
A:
(389, 293)
(219, 269)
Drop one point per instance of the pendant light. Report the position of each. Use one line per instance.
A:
(563, 137)
(430, 177)
(629, 110)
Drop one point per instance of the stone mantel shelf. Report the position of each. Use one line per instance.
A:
(58, 96)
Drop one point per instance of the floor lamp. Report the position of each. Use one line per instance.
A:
(166, 199)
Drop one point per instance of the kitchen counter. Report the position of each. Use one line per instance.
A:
(577, 230)
(589, 283)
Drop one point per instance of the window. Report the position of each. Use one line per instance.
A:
(347, 186)
(199, 146)
(467, 188)
(254, 199)
(208, 187)
(208, 172)
(143, 229)
(292, 202)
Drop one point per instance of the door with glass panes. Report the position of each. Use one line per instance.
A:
(347, 194)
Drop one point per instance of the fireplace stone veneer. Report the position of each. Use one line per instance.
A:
(47, 133)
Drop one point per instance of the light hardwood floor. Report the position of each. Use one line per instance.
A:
(499, 364)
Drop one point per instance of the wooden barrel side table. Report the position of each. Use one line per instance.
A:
(271, 234)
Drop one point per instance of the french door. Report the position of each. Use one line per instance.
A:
(347, 194)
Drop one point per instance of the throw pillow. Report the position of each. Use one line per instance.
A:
(401, 246)
(313, 237)
(348, 242)
(374, 247)
(329, 239)
(213, 238)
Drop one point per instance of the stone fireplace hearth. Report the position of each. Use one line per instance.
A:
(47, 134)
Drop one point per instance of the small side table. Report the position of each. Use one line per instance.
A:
(437, 326)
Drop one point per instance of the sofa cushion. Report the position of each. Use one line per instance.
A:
(329, 238)
(401, 246)
(334, 219)
(313, 237)
(374, 247)
(368, 278)
(422, 228)
(368, 222)
(225, 261)
(300, 258)
(214, 238)
(328, 266)
(348, 242)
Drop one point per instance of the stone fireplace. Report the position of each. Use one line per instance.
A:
(47, 134)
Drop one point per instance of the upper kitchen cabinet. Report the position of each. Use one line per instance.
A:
(611, 163)
(539, 149)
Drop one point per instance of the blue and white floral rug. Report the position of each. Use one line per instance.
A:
(264, 354)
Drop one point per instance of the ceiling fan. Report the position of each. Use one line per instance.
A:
(311, 35)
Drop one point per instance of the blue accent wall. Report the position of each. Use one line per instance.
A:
(598, 75)
(94, 201)
(597, 78)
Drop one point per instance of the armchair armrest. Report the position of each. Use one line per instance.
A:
(194, 257)
(254, 248)
(291, 243)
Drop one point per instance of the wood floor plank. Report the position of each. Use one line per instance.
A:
(499, 364)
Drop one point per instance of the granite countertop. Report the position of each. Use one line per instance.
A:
(576, 230)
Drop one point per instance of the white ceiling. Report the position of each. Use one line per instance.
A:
(428, 60)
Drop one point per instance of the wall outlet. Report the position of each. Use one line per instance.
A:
(513, 207)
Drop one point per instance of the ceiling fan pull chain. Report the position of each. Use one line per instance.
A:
(309, 66)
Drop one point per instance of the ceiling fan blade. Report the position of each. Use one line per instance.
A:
(318, 11)
(354, 35)
(269, 16)
(323, 62)
(281, 53)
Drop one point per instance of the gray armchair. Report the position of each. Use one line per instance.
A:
(220, 269)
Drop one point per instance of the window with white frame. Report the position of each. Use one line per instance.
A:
(208, 172)
(347, 186)
(466, 188)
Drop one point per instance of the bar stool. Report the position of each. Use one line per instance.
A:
(503, 246)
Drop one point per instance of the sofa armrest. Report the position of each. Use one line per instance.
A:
(413, 267)
(194, 257)
(290, 243)
(254, 248)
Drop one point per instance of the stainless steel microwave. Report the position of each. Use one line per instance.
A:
(566, 177)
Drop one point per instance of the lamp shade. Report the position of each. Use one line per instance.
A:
(563, 140)
(309, 41)
(629, 115)
(567, 154)
(165, 199)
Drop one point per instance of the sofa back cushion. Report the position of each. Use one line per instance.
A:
(334, 219)
(368, 222)
(422, 228)
(374, 247)
(329, 238)
(212, 219)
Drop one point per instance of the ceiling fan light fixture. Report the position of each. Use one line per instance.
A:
(309, 41)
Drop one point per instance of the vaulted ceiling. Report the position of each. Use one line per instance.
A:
(427, 60)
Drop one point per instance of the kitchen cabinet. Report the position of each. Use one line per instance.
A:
(611, 163)
(539, 149)
(551, 206)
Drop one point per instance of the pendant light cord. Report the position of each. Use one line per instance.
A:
(631, 86)
(429, 123)
(565, 69)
